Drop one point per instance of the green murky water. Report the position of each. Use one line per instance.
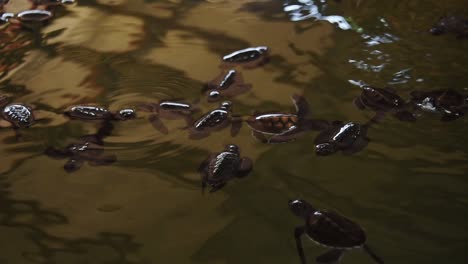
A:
(408, 188)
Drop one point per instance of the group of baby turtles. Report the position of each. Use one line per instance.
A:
(326, 228)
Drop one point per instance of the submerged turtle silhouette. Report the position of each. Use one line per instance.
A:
(457, 25)
(329, 229)
(219, 168)
(89, 148)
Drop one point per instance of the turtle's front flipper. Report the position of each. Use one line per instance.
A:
(405, 116)
(298, 232)
(55, 153)
(73, 165)
(358, 103)
(301, 104)
(372, 254)
(245, 167)
(332, 256)
(158, 124)
(236, 125)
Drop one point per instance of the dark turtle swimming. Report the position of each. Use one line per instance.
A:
(221, 167)
(215, 120)
(348, 138)
(384, 100)
(451, 24)
(283, 127)
(89, 148)
(249, 57)
(167, 110)
(226, 85)
(329, 229)
(15, 115)
(450, 103)
(91, 112)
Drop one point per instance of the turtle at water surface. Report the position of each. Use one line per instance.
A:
(457, 25)
(450, 103)
(329, 229)
(91, 112)
(16, 115)
(384, 100)
(226, 85)
(284, 127)
(348, 138)
(88, 149)
(215, 120)
(219, 168)
(170, 110)
(249, 57)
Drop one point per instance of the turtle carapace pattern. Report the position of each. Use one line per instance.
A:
(219, 168)
(328, 229)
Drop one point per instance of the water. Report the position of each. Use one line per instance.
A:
(407, 188)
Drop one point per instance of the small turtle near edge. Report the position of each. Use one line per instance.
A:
(221, 167)
(328, 229)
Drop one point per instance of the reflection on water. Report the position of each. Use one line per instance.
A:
(147, 205)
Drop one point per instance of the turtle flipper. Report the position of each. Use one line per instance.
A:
(298, 232)
(332, 256)
(73, 165)
(236, 126)
(55, 153)
(217, 186)
(245, 167)
(102, 160)
(158, 124)
(259, 136)
(301, 104)
(405, 116)
(372, 254)
(358, 103)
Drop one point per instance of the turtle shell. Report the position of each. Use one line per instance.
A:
(19, 115)
(246, 55)
(380, 99)
(212, 119)
(174, 106)
(273, 123)
(223, 166)
(330, 229)
(87, 112)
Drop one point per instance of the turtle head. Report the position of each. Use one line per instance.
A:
(226, 105)
(126, 114)
(232, 148)
(214, 96)
(301, 208)
(325, 149)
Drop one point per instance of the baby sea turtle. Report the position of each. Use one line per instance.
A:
(89, 149)
(226, 85)
(249, 57)
(215, 120)
(451, 24)
(90, 112)
(167, 110)
(284, 127)
(15, 115)
(221, 167)
(329, 229)
(382, 101)
(349, 138)
(449, 103)
(34, 15)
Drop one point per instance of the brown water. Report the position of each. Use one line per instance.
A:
(408, 188)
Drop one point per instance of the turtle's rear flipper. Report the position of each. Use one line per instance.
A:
(245, 167)
(405, 116)
(158, 124)
(372, 254)
(332, 256)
